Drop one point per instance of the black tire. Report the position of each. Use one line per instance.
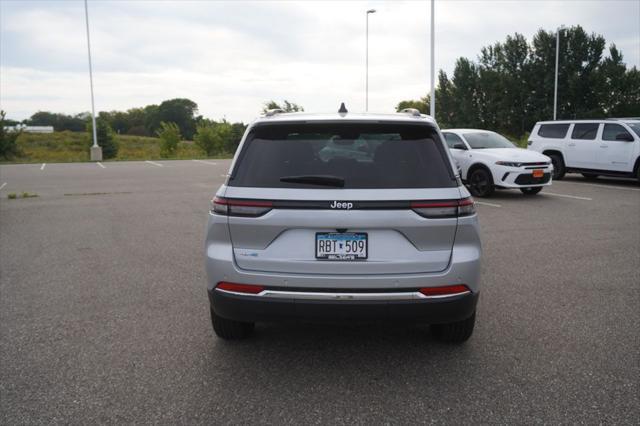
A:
(558, 166)
(230, 330)
(455, 332)
(480, 183)
(590, 176)
(531, 191)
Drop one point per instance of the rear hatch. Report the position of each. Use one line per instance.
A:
(342, 198)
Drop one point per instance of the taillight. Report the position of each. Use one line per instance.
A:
(443, 291)
(246, 208)
(240, 288)
(446, 208)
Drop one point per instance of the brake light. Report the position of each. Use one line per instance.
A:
(448, 290)
(240, 288)
(246, 208)
(445, 208)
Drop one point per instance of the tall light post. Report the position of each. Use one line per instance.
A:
(555, 86)
(432, 109)
(366, 90)
(96, 150)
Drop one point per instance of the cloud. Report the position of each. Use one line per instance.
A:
(231, 57)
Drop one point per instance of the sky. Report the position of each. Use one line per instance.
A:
(231, 57)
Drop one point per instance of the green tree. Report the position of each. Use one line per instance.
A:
(179, 111)
(105, 137)
(169, 134)
(8, 139)
(208, 139)
(286, 106)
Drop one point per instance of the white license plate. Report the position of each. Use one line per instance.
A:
(341, 245)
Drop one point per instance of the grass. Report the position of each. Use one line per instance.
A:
(67, 147)
(13, 195)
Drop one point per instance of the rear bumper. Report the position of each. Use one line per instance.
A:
(250, 308)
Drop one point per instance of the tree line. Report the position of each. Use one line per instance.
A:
(510, 87)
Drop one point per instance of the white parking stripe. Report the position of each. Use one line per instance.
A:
(42, 167)
(599, 186)
(100, 164)
(205, 162)
(482, 203)
(154, 163)
(568, 196)
(3, 185)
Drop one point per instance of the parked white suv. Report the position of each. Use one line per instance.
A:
(487, 160)
(608, 147)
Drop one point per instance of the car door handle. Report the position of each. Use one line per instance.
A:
(604, 146)
(572, 144)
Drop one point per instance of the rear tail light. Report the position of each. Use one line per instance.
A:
(240, 288)
(448, 290)
(442, 209)
(246, 208)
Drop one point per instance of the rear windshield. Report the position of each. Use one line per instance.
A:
(553, 131)
(344, 155)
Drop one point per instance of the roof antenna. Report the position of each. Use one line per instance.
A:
(343, 109)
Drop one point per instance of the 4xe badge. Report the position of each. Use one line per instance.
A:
(343, 205)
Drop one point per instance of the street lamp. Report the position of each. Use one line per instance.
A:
(555, 86)
(432, 109)
(366, 104)
(96, 151)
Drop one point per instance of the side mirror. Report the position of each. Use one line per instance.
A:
(459, 146)
(624, 137)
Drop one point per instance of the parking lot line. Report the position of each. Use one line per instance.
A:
(205, 162)
(42, 167)
(483, 203)
(600, 186)
(154, 163)
(568, 196)
(100, 164)
(3, 185)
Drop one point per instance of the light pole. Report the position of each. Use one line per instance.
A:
(96, 150)
(555, 86)
(366, 103)
(432, 109)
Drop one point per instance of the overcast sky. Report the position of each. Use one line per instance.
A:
(231, 57)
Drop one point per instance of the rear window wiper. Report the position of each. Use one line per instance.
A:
(324, 180)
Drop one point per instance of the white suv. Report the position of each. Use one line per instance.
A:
(608, 147)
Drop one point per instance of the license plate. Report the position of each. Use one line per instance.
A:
(538, 173)
(341, 245)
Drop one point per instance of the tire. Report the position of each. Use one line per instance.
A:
(230, 330)
(480, 183)
(590, 176)
(558, 166)
(531, 191)
(455, 332)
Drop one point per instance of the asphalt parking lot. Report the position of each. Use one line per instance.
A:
(104, 314)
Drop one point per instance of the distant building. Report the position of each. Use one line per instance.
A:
(29, 129)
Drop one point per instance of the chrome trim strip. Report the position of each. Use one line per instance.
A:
(304, 295)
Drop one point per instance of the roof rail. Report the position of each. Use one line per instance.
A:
(272, 112)
(412, 111)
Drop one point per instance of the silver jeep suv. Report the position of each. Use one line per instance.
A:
(341, 217)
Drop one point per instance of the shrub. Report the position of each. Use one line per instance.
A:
(169, 135)
(8, 145)
(105, 138)
(211, 138)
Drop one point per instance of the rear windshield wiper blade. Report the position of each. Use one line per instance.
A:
(324, 180)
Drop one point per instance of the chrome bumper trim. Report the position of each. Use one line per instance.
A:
(304, 295)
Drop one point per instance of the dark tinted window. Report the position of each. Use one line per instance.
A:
(485, 140)
(452, 139)
(612, 130)
(635, 127)
(365, 155)
(555, 131)
(586, 131)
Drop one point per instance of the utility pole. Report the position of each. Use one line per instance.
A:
(96, 150)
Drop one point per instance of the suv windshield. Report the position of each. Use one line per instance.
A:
(482, 140)
(634, 126)
(343, 155)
